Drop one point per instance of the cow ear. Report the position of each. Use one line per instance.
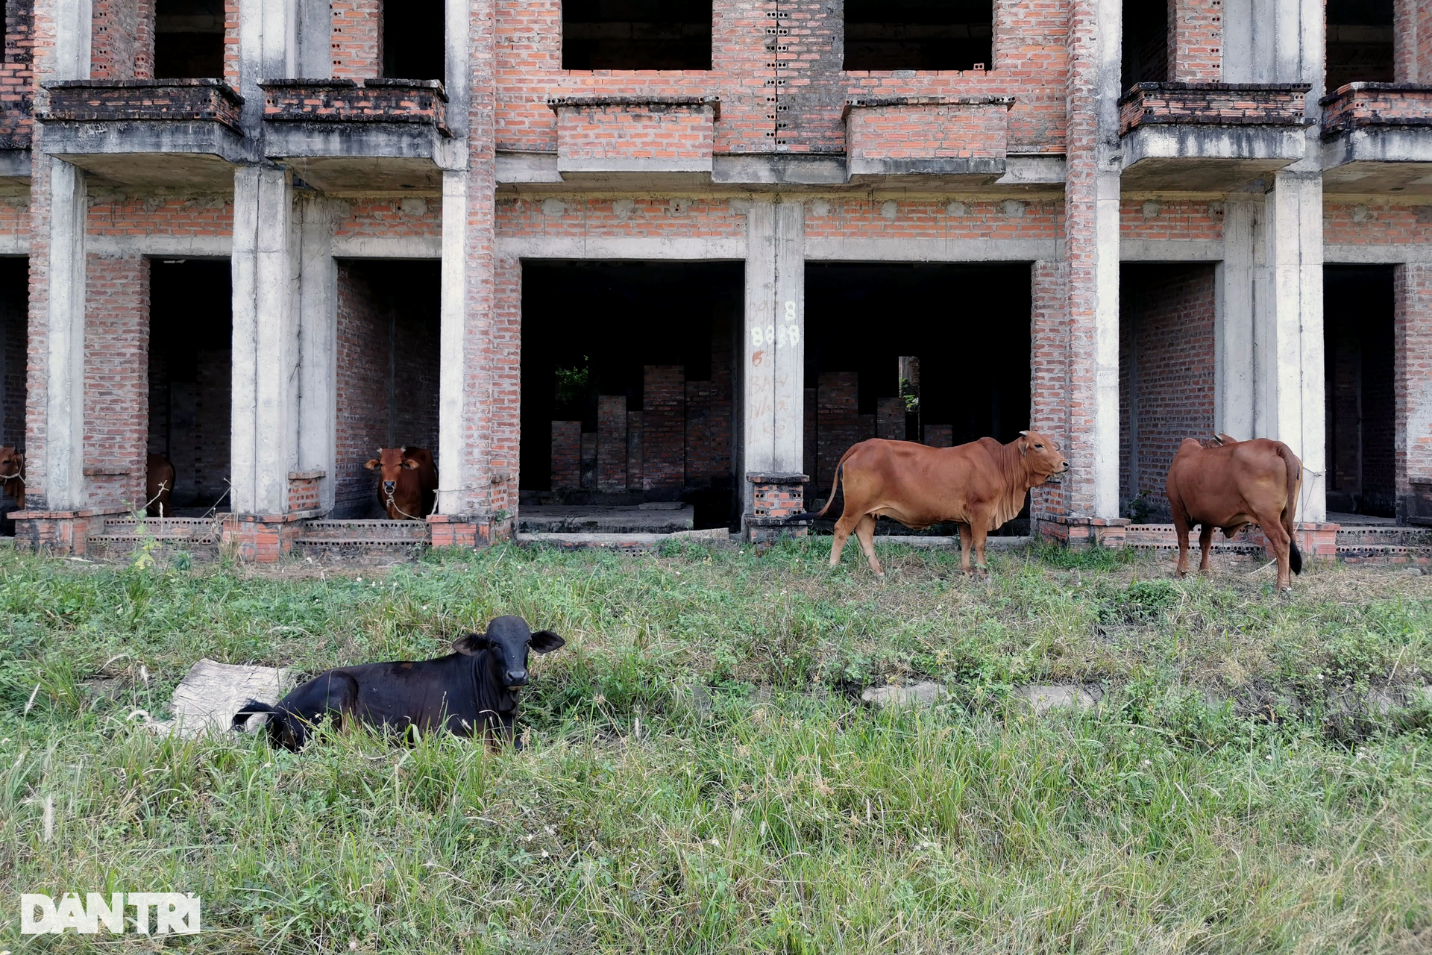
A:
(410, 464)
(373, 464)
(470, 644)
(545, 641)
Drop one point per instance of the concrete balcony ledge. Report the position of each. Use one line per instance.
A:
(344, 136)
(189, 130)
(643, 136)
(1377, 138)
(1186, 137)
(960, 137)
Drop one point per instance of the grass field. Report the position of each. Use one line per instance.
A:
(702, 777)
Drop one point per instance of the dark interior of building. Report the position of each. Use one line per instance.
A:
(1359, 42)
(931, 353)
(14, 339)
(389, 354)
(919, 34)
(190, 375)
(188, 39)
(1145, 42)
(1166, 376)
(1358, 312)
(636, 34)
(413, 40)
(628, 390)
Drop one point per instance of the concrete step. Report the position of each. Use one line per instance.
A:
(1383, 534)
(358, 549)
(379, 531)
(198, 530)
(642, 519)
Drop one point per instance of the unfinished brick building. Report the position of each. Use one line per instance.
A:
(680, 254)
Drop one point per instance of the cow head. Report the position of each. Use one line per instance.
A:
(507, 641)
(1041, 457)
(12, 462)
(391, 462)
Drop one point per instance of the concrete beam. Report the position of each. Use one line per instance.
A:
(1170, 250)
(783, 169)
(168, 246)
(384, 247)
(1377, 254)
(63, 480)
(598, 247)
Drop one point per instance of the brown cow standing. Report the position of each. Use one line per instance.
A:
(1233, 484)
(980, 485)
(409, 486)
(12, 476)
(158, 485)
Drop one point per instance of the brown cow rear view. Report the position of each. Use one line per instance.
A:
(979, 485)
(158, 485)
(1234, 484)
(409, 484)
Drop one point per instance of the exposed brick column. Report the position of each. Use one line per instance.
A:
(1195, 41)
(116, 380)
(1412, 41)
(1412, 352)
(1092, 251)
(1049, 371)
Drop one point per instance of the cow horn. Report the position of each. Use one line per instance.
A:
(1025, 433)
(379, 450)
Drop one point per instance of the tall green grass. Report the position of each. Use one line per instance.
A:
(701, 777)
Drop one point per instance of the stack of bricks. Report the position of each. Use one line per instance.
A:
(776, 498)
(890, 419)
(1376, 104)
(838, 421)
(566, 454)
(303, 491)
(663, 435)
(611, 443)
(1218, 104)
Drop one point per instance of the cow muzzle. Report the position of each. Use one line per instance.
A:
(515, 678)
(390, 486)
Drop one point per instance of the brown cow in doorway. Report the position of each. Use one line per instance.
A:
(12, 476)
(158, 485)
(1233, 484)
(979, 485)
(409, 486)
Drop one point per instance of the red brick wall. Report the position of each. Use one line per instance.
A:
(777, 71)
(122, 39)
(1412, 41)
(1049, 369)
(837, 421)
(1195, 40)
(958, 131)
(231, 43)
(939, 435)
(116, 378)
(611, 442)
(356, 38)
(1166, 371)
(17, 74)
(1200, 103)
(708, 414)
(646, 131)
(1412, 353)
(1170, 219)
(411, 217)
(162, 215)
(934, 219)
(663, 427)
(890, 418)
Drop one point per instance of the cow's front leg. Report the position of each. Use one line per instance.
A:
(865, 531)
(1205, 544)
(966, 534)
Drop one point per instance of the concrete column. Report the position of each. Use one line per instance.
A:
(1288, 333)
(314, 30)
(773, 353)
(266, 341)
(1092, 248)
(317, 344)
(268, 49)
(453, 450)
(63, 480)
(1233, 319)
(73, 30)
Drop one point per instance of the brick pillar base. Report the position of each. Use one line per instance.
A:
(1078, 533)
(777, 497)
(60, 532)
(1317, 540)
(469, 530)
(1416, 506)
(261, 538)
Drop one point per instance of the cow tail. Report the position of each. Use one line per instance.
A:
(251, 708)
(1290, 513)
(834, 485)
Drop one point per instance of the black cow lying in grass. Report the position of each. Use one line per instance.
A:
(470, 691)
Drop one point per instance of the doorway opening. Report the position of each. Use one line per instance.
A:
(1358, 330)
